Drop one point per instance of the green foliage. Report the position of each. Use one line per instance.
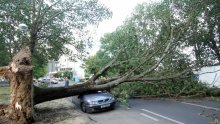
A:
(68, 74)
(58, 74)
(4, 56)
(143, 38)
(40, 65)
(43, 85)
(201, 19)
(39, 70)
(189, 24)
(214, 91)
(121, 95)
(94, 63)
(170, 88)
(51, 24)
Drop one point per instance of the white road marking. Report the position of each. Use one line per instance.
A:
(152, 118)
(202, 106)
(175, 121)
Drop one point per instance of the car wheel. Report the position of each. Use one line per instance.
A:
(83, 107)
(113, 107)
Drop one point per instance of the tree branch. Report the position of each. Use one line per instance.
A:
(51, 18)
(157, 64)
(179, 75)
(57, 92)
(99, 82)
(104, 69)
(4, 70)
(48, 8)
(77, 89)
(111, 84)
(36, 21)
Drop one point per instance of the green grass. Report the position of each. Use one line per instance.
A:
(4, 95)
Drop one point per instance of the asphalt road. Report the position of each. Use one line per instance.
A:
(158, 111)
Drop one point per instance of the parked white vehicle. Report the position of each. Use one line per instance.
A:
(209, 75)
(47, 80)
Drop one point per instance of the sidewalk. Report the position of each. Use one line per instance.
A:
(60, 111)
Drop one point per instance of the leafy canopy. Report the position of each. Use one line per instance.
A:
(53, 24)
(191, 25)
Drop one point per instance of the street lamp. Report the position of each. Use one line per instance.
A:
(23, 27)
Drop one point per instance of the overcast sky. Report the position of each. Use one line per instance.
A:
(121, 9)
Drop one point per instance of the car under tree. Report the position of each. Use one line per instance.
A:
(95, 101)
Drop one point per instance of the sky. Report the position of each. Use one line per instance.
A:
(121, 10)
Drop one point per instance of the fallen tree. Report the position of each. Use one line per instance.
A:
(151, 46)
(23, 96)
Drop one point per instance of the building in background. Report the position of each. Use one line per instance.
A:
(53, 66)
(66, 64)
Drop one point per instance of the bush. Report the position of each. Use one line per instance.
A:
(165, 88)
(43, 85)
(121, 96)
(169, 88)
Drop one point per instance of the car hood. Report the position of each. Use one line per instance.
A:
(97, 96)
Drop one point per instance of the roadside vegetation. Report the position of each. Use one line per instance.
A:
(4, 95)
(43, 85)
(176, 89)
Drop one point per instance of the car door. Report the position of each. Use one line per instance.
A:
(76, 100)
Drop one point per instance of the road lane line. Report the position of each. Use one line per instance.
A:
(175, 121)
(202, 106)
(152, 118)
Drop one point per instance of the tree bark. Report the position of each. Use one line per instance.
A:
(47, 94)
(19, 75)
(61, 92)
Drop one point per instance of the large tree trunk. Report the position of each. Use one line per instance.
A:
(19, 74)
(61, 92)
